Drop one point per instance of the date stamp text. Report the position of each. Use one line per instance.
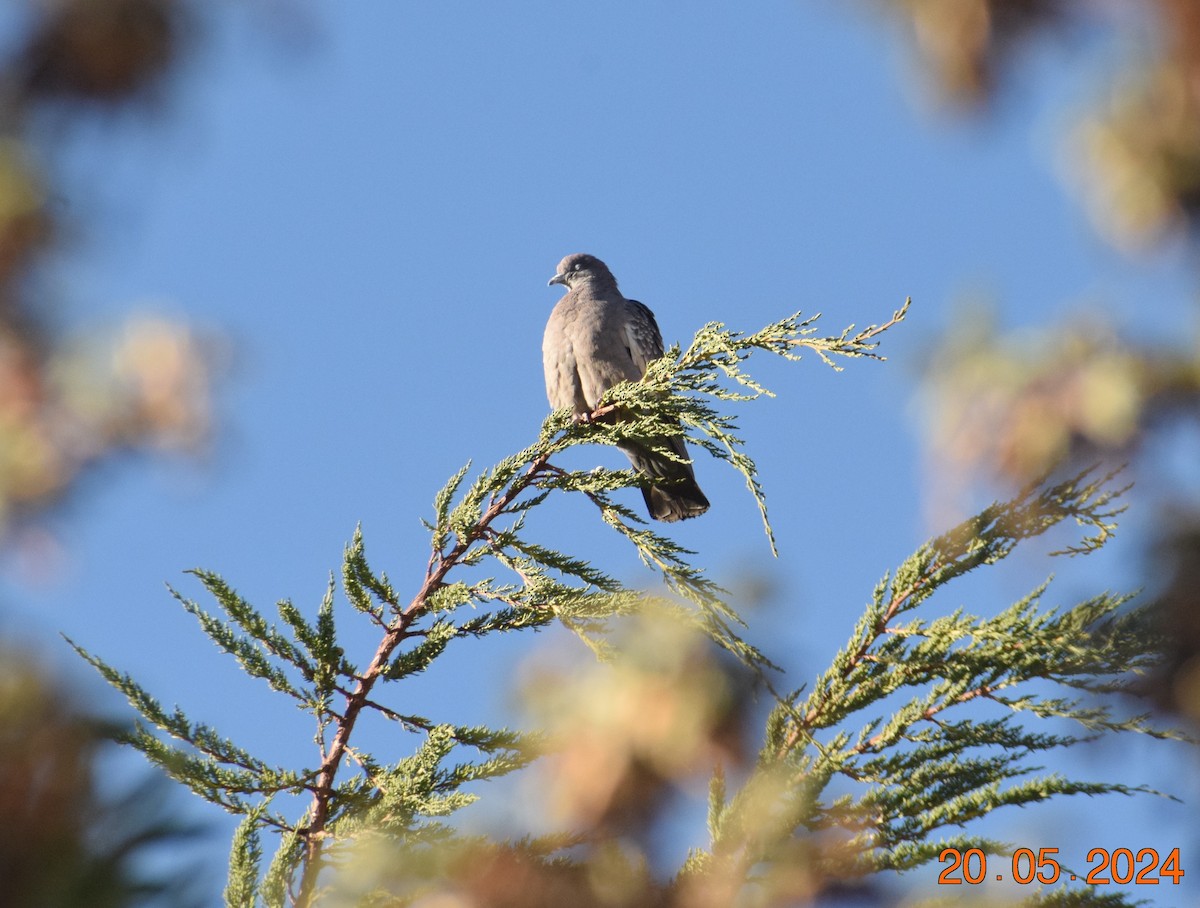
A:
(1118, 865)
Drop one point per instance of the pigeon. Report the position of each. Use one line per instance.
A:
(595, 339)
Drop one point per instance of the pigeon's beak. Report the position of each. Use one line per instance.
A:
(557, 279)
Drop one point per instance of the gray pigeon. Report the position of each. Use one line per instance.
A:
(596, 339)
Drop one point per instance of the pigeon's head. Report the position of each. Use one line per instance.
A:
(579, 269)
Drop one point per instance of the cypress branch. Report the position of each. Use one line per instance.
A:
(927, 765)
(919, 726)
(245, 860)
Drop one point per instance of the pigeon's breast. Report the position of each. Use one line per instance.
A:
(585, 352)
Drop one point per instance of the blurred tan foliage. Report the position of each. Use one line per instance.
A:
(1142, 149)
(1142, 156)
(964, 42)
(61, 843)
(67, 402)
(660, 716)
(1136, 156)
(86, 399)
(1017, 406)
(44, 783)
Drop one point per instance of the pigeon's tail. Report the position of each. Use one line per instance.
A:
(678, 497)
(675, 502)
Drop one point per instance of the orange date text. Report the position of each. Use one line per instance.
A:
(1118, 865)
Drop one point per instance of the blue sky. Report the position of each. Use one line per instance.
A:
(370, 214)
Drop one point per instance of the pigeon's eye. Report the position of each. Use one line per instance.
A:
(576, 266)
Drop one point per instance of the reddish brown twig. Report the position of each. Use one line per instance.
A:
(359, 698)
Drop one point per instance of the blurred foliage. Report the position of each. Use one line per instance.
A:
(71, 399)
(1140, 147)
(88, 398)
(964, 42)
(1143, 147)
(1017, 406)
(661, 714)
(103, 52)
(1141, 153)
(62, 843)
(1176, 618)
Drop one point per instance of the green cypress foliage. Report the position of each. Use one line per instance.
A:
(923, 722)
